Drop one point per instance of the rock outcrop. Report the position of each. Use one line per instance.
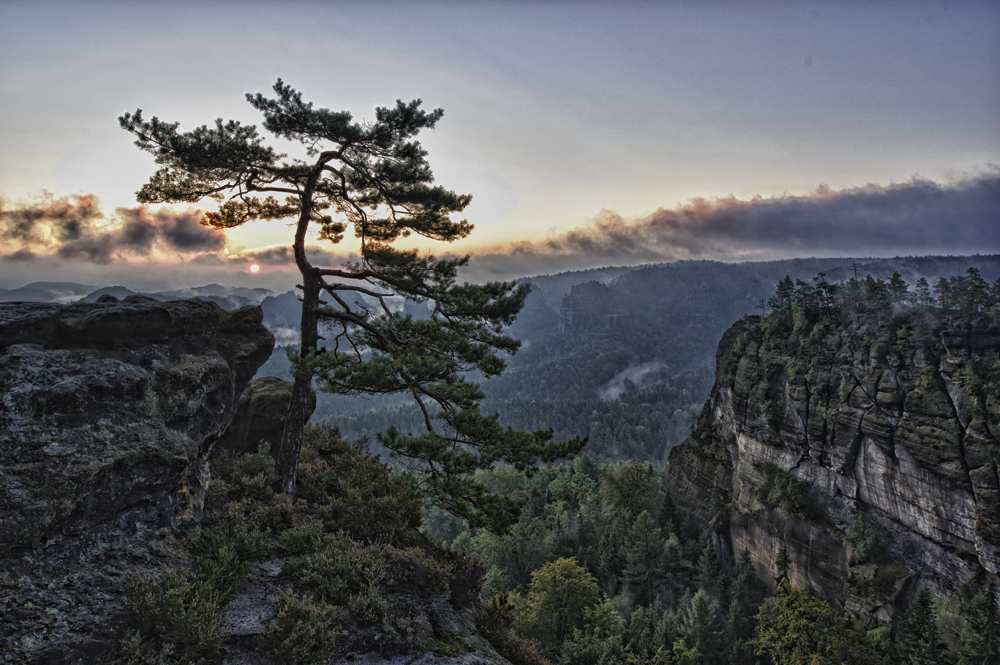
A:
(260, 416)
(888, 418)
(108, 411)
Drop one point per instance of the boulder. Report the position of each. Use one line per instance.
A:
(260, 416)
(109, 410)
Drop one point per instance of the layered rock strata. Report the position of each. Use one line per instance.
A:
(883, 418)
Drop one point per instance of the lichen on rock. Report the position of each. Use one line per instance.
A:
(108, 412)
(877, 416)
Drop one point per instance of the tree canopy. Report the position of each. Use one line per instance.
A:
(373, 178)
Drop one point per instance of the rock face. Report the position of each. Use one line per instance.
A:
(886, 418)
(108, 411)
(260, 416)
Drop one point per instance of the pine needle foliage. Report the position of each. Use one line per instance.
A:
(371, 177)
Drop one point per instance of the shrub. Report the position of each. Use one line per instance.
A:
(496, 624)
(224, 556)
(298, 541)
(791, 496)
(340, 568)
(414, 570)
(466, 577)
(248, 474)
(368, 607)
(184, 618)
(869, 540)
(361, 495)
(303, 631)
(271, 516)
(773, 414)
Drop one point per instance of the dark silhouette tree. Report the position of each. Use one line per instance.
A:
(373, 178)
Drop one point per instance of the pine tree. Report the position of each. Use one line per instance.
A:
(640, 634)
(898, 289)
(700, 626)
(373, 178)
(921, 643)
(981, 633)
(643, 548)
(709, 571)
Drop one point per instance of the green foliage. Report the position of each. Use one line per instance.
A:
(356, 493)
(868, 539)
(684, 655)
(983, 384)
(795, 627)
(367, 608)
(560, 593)
(298, 541)
(302, 631)
(791, 496)
(921, 643)
(496, 624)
(773, 413)
(247, 475)
(629, 486)
(519, 552)
(599, 641)
(981, 632)
(699, 626)
(340, 568)
(224, 556)
(183, 619)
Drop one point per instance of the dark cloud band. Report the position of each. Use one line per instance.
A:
(917, 217)
(73, 227)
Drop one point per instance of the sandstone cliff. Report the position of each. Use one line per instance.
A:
(815, 422)
(108, 411)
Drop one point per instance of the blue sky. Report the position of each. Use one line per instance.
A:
(557, 114)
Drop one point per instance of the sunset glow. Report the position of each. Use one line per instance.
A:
(613, 133)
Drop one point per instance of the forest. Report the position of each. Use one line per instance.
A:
(624, 356)
(605, 567)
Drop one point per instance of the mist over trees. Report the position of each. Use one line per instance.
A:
(646, 335)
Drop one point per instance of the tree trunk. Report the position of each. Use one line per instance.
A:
(298, 406)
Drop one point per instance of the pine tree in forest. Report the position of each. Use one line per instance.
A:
(640, 634)
(643, 550)
(709, 571)
(981, 633)
(921, 643)
(700, 626)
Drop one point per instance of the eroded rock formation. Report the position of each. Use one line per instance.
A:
(882, 417)
(108, 411)
(260, 416)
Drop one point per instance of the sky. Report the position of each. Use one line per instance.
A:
(588, 133)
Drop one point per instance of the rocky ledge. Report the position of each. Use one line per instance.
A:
(108, 411)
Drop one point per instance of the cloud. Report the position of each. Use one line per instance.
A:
(49, 219)
(916, 217)
(73, 227)
(21, 255)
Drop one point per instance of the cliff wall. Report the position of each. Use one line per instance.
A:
(813, 423)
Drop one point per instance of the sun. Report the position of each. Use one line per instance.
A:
(254, 268)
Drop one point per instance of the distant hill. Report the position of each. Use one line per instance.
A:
(624, 354)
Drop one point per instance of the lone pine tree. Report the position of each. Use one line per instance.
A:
(373, 178)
